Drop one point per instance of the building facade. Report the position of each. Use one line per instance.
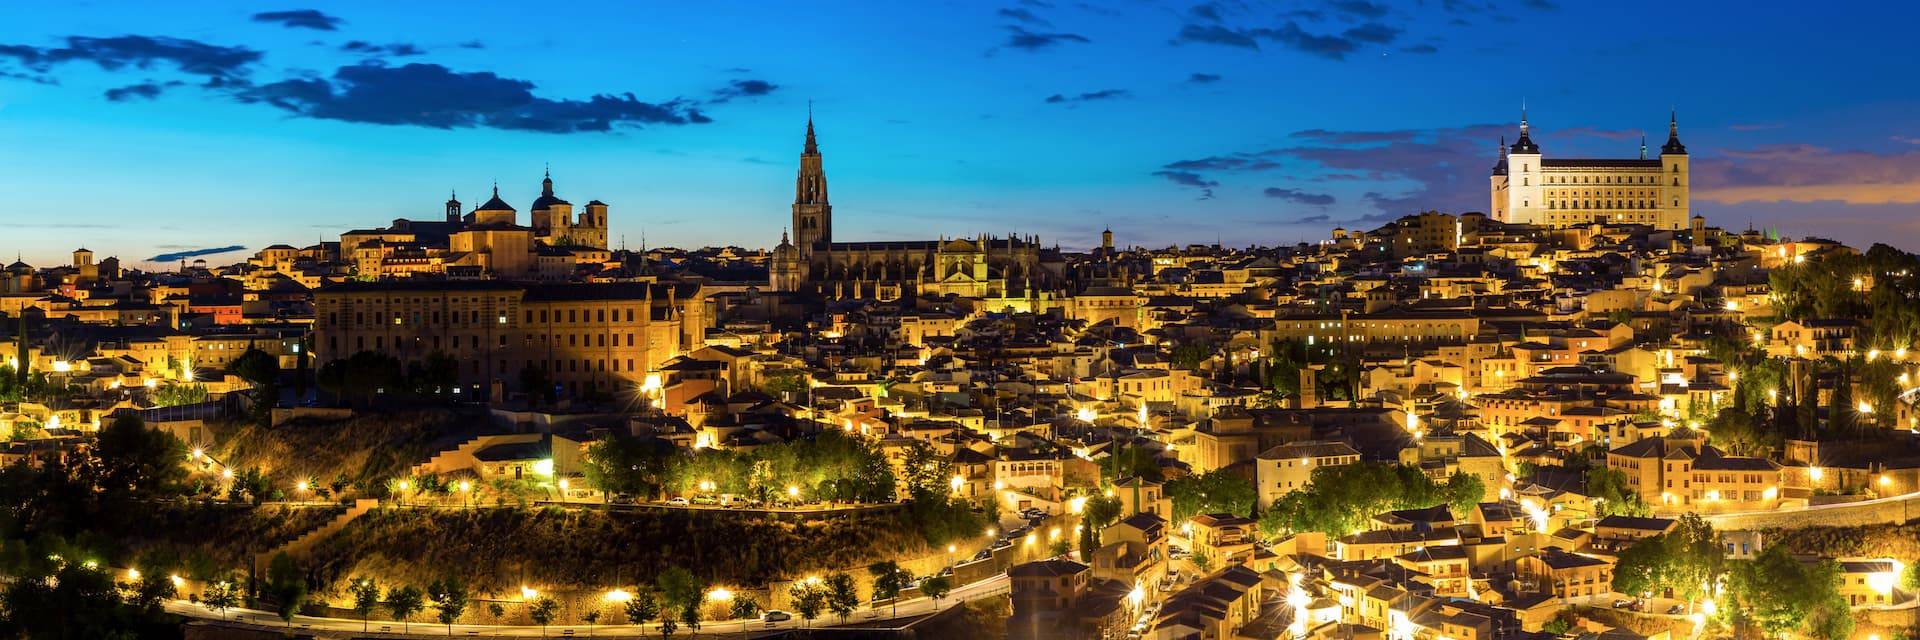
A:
(1530, 188)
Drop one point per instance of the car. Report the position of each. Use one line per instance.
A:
(1676, 610)
(1622, 604)
(678, 502)
(775, 615)
(621, 499)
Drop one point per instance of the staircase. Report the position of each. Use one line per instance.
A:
(300, 545)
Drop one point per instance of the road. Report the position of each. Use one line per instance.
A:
(425, 628)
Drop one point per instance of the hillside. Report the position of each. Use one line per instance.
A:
(364, 450)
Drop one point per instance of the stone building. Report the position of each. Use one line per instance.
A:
(1529, 188)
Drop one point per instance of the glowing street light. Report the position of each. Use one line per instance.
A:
(528, 593)
(720, 594)
(618, 595)
(1085, 414)
(133, 574)
(793, 491)
(956, 483)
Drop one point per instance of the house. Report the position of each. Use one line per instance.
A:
(1287, 468)
(1222, 538)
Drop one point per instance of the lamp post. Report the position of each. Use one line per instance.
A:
(466, 493)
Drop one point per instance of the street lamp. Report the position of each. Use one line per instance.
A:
(528, 593)
(618, 596)
(466, 493)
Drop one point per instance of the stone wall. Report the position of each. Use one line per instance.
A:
(1894, 510)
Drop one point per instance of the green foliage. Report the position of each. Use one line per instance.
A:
(541, 610)
(1130, 462)
(926, 470)
(679, 588)
(1217, 491)
(941, 519)
(841, 595)
(404, 602)
(366, 598)
(1339, 500)
(1778, 594)
(936, 587)
(1823, 288)
(72, 601)
(785, 383)
(809, 599)
(449, 597)
(133, 461)
(221, 595)
(888, 579)
(743, 608)
(174, 395)
(643, 608)
(1685, 559)
(1189, 356)
(1616, 497)
(623, 465)
(361, 376)
(286, 586)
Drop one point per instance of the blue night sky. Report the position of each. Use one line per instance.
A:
(139, 129)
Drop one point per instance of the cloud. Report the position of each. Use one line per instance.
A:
(1022, 39)
(1224, 163)
(1302, 197)
(1904, 139)
(195, 253)
(144, 91)
(1207, 11)
(743, 89)
(220, 65)
(1808, 173)
(1319, 218)
(1373, 32)
(300, 19)
(1103, 94)
(1023, 15)
(1216, 34)
(1756, 126)
(1203, 78)
(394, 49)
(1421, 49)
(1360, 8)
(472, 44)
(430, 95)
(1289, 35)
(1190, 179)
(1411, 169)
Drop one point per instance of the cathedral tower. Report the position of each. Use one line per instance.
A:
(812, 215)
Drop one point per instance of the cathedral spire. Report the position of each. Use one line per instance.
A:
(1643, 146)
(1525, 143)
(1673, 146)
(812, 148)
(546, 182)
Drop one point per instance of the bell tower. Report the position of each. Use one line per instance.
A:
(812, 214)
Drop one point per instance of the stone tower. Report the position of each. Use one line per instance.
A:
(812, 214)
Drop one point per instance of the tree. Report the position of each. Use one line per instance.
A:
(1339, 500)
(591, 618)
(1617, 498)
(134, 461)
(624, 465)
(541, 611)
(936, 587)
(449, 597)
(262, 370)
(926, 469)
(680, 590)
(220, 596)
(1217, 491)
(690, 615)
(888, 580)
(1685, 560)
(404, 602)
(743, 609)
(287, 586)
(1779, 594)
(808, 600)
(667, 625)
(643, 608)
(366, 597)
(842, 597)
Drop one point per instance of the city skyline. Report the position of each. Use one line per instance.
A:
(244, 126)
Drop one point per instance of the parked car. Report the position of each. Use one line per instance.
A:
(621, 499)
(775, 615)
(1676, 610)
(678, 502)
(1622, 604)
